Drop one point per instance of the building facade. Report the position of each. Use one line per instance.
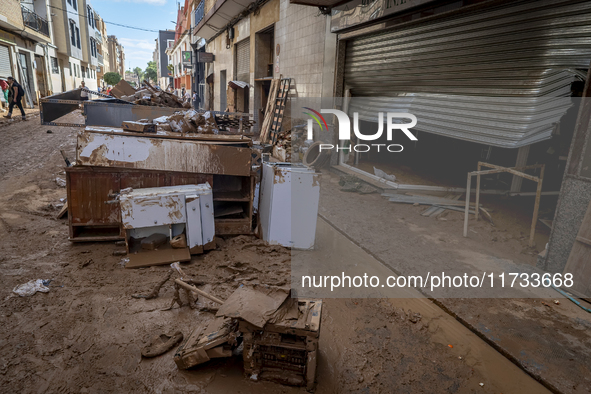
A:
(164, 41)
(279, 39)
(180, 54)
(102, 50)
(116, 56)
(26, 49)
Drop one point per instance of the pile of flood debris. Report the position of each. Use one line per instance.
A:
(190, 122)
(148, 95)
(276, 334)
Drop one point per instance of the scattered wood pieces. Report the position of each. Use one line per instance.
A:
(63, 211)
(199, 292)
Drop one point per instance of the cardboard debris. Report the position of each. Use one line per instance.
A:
(123, 88)
(139, 127)
(256, 305)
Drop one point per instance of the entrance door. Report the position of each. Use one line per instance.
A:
(27, 82)
(63, 73)
(40, 75)
(223, 87)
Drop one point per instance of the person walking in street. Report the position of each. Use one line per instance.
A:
(15, 98)
(83, 93)
(195, 101)
(5, 90)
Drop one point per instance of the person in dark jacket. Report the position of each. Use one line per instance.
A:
(16, 97)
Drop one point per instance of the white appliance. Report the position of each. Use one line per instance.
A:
(288, 204)
(171, 210)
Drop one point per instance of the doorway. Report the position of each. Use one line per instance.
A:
(63, 75)
(263, 70)
(27, 76)
(223, 87)
(40, 75)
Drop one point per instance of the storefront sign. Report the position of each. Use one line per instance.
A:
(357, 12)
(187, 58)
(205, 57)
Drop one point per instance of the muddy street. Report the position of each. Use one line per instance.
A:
(87, 332)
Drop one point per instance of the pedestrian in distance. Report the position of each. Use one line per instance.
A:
(5, 90)
(16, 95)
(83, 93)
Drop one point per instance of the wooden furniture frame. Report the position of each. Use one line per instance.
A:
(498, 169)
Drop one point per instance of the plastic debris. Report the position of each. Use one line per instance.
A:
(60, 182)
(31, 287)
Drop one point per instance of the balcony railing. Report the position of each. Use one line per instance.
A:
(98, 36)
(100, 59)
(34, 21)
(199, 12)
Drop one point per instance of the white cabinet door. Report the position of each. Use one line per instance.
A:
(194, 234)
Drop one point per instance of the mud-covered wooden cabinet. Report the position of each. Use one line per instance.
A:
(93, 217)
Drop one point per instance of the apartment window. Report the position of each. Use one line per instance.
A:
(70, 67)
(54, 68)
(77, 37)
(73, 32)
(83, 71)
(75, 4)
(90, 16)
(92, 47)
(70, 2)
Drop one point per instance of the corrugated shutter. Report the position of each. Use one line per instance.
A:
(5, 67)
(243, 61)
(525, 50)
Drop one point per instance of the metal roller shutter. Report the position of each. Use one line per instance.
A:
(5, 65)
(243, 61)
(525, 51)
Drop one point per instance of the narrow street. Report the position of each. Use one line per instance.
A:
(86, 333)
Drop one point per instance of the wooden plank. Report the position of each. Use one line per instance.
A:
(269, 111)
(63, 212)
(157, 257)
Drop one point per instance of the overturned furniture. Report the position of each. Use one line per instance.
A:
(285, 351)
(167, 224)
(518, 171)
(280, 334)
(109, 160)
